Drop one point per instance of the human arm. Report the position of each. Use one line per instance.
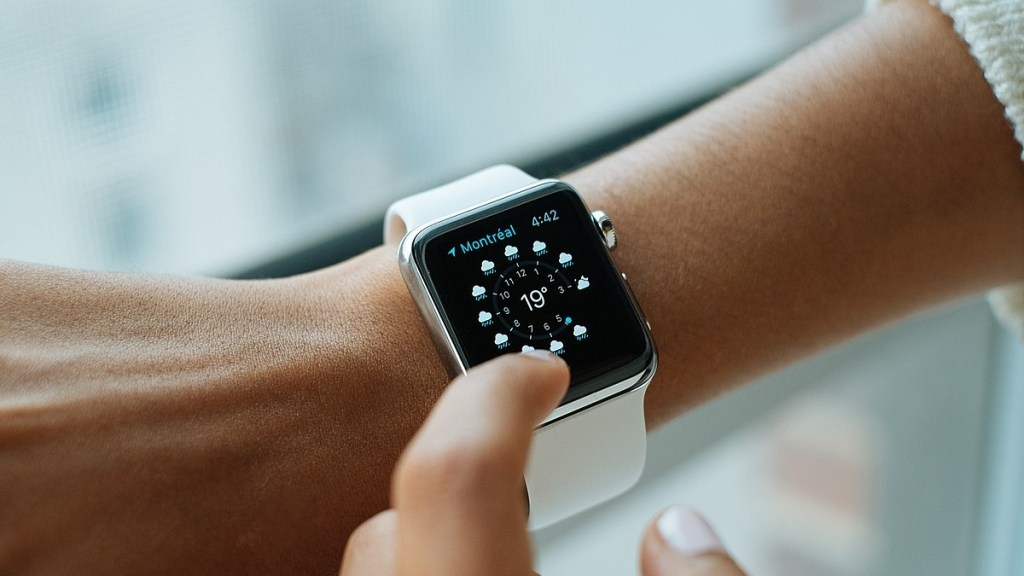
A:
(870, 176)
(151, 423)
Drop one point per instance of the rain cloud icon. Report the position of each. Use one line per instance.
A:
(579, 331)
(556, 345)
(539, 247)
(528, 348)
(478, 292)
(511, 251)
(484, 317)
(501, 340)
(487, 266)
(582, 283)
(565, 259)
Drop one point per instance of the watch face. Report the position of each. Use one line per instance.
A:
(532, 272)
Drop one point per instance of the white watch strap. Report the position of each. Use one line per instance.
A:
(585, 458)
(477, 188)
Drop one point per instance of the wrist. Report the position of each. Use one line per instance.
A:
(369, 325)
(348, 374)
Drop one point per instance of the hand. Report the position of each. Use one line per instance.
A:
(680, 543)
(458, 494)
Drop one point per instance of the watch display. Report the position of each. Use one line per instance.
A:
(532, 272)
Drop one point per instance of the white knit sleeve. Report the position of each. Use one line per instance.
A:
(994, 31)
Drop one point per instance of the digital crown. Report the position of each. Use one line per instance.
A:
(606, 228)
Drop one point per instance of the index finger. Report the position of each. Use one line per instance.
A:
(458, 487)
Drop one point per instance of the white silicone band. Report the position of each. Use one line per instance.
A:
(586, 458)
(582, 459)
(414, 211)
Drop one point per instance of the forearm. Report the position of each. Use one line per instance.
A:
(868, 177)
(151, 423)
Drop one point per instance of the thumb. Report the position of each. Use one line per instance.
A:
(679, 542)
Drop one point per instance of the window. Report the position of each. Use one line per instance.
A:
(205, 136)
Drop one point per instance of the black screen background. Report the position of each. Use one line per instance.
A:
(616, 345)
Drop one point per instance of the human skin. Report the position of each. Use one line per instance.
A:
(457, 491)
(160, 425)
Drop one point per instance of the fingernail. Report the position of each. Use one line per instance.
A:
(687, 532)
(542, 355)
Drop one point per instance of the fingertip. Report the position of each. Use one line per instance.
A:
(554, 372)
(544, 372)
(543, 358)
(680, 542)
(371, 548)
(544, 355)
(550, 361)
(482, 426)
(684, 530)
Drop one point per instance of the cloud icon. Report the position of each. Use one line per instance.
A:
(556, 345)
(478, 291)
(564, 258)
(539, 246)
(484, 317)
(486, 265)
(579, 330)
(500, 338)
(528, 348)
(511, 250)
(583, 283)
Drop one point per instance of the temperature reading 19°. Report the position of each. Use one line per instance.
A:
(531, 299)
(535, 299)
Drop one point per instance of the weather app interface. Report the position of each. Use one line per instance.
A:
(535, 277)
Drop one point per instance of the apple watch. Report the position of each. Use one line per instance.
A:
(499, 262)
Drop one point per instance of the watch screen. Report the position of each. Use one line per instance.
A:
(533, 273)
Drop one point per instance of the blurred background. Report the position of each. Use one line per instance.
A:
(208, 136)
(260, 138)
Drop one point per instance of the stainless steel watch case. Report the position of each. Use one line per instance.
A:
(415, 278)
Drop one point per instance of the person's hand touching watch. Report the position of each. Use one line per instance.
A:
(457, 492)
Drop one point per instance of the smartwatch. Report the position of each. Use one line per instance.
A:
(499, 262)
